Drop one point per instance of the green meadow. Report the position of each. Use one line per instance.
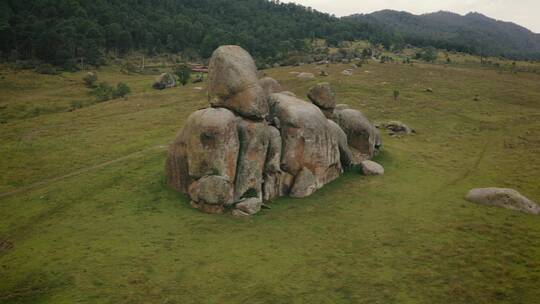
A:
(86, 216)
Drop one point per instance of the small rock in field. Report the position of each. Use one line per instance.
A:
(305, 75)
(503, 197)
(250, 205)
(396, 127)
(371, 168)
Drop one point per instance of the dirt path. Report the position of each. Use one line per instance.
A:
(470, 170)
(80, 171)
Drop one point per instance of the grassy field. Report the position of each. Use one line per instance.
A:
(87, 218)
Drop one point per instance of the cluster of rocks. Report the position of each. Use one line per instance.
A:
(256, 142)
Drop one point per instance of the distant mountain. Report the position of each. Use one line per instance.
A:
(473, 32)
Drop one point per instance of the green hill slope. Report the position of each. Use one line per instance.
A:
(94, 222)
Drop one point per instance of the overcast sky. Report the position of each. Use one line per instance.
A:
(522, 12)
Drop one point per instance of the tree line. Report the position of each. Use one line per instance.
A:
(61, 31)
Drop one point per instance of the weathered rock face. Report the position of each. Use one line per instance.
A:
(276, 182)
(305, 184)
(254, 140)
(270, 85)
(164, 81)
(502, 197)
(256, 144)
(212, 190)
(363, 138)
(233, 83)
(308, 140)
(207, 145)
(346, 155)
(322, 96)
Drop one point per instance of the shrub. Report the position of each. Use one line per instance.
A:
(122, 89)
(429, 54)
(46, 69)
(103, 92)
(70, 66)
(183, 72)
(396, 94)
(76, 104)
(128, 68)
(90, 79)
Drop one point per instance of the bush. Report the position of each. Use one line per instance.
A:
(396, 94)
(90, 79)
(46, 69)
(429, 54)
(128, 68)
(122, 89)
(103, 92)
(183, 72)
(76, 104)
(70, 66)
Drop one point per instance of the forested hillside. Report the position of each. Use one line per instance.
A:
(472, 33)
(63, 31)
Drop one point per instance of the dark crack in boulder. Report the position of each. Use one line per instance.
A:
(254, 141)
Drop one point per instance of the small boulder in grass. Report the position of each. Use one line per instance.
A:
(250, 206)
(305, 184)
(306, 75)
(371, 168)
(503, 197)
(239, 213)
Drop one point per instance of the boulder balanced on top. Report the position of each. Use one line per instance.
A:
(255, 143)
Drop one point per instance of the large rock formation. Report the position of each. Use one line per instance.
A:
(256, 143)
